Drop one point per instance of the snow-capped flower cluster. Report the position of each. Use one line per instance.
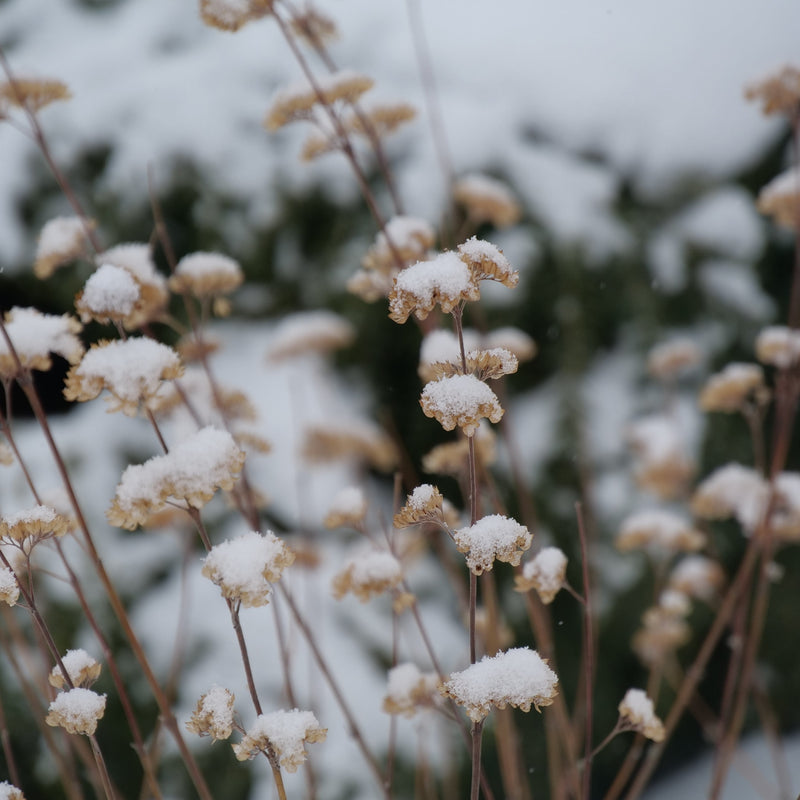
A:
(62, 239)
(660, 531)
(491, 538)
(697, 576)
(230, 15)
(728, 390)
(83, 670)
(779, 346)
(284, 733)
(780, 198)
(132, 370)
(661, 464)
(10, 792)
(206, 275)
(545, 573)
(349, 508)
(191, 472)
(636, 713)
(519, 677)
(26, 528)
(424, 504)
(9, 588)
(109, 295)
(310, 332)
(245, 567)
(486, 199)
(460, 400)
(77, 711)
(668, 360)
(349, 439)
(213, 715)
(368, 574)
(409, 689)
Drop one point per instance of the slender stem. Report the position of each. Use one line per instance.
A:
(8, 750)
(477, 738)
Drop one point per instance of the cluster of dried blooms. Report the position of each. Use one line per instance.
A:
(367, 574)
(545, 572)
(410, 690)
(213, 715)
(77, 711)
(283, 733)
(636, 713)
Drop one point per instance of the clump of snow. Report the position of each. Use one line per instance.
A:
(310, 332)
(77, 711)
(491, 538)
(461, 400)
(35, 336)
(283, 731)
(110, 291)
(636, 710)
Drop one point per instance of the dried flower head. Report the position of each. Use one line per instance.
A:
(486, 199)
(314, 27)
(662, 466)
(778, 92)
(27, 528)
(32, 94)
(9, 588)
(442, 346)
(213, 715)
(729, 390)
(408, 237)
(206, 275)
(83, 670)
(424, 504)
(450, 458)
(284, 734)
(245, 567)
(732, 491)
(461, 400)
(697, 576)
(519, 677)
(660, 532)
(668, 360)
(349, 508)
(137, 259)
(662, 634)
(381, 119)
(310, 332)
(779, 346)
(445, 280)
(487, 262)
(230, 15)
(110, 295)
(191, 472)
(349, 440)
(491, 538)
(61, 240)
(514, 340)
(780, 199)
(409, 690)
(35, 336)
(636, 713)
(295, 102)
(368, 574)
(10, 792)
(132, 370)
(546, 573)
(77, 711)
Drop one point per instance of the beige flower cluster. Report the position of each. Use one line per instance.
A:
(77, 711)
(636, 713)
(492, 538)
(368, 574)
(546, 573)
(409, 690)
(213, 715)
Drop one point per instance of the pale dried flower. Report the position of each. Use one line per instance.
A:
(487, 262)
(778, 92)
(493, 537)
(132, 370)
(83, 670)
(668, 360)
(348, 509)
(697, 576)
(9, 588)
(206, 275)
(662, 466)
(780, 198)
(637, 713)
(732, 491)
(546, 573)
(314, 27)
(441, 345)
(381, 119)
(729, 390)
(245, 567)
(512, 339)
(660, 532)
(62, 239)
(191, 472)
(779, 346)
(444, 280)
(424, 504)
(282, 733)
(409, 690)
(410, 238)
(10, 792)
(111, 294)
(77, 711)
(230, 15)
(460, 400)
(368, 574)
(450, 458)
(27, 528)
(486, 199)
(519, 677)
(349, 440)
(35, 336)
(310, 332)
(213, 715)
(32, 94)
(663, 633)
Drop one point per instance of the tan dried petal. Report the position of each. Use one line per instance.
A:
(451, 458)
(487, 262)
(382, 119)
(347, 441)
(230, 15)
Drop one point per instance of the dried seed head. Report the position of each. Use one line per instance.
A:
(349, 440)
(636, 712)
(381, 118)
(110, 295)
(451, 458)
(32, 94)
(424, 504)
(213, 715)
(491, 538)
(83, 670)
(461, 400)
(35, 336)
(668, 360)
(486, 199)
(732, 491)
(546, 573)
(9, 588)
(61, 240)
(487, 262)
(661, 464)
(778, 92)
(230, 15)
(368, 574)
(27, 528)
(779, 346)
(77, 711)
(514, 340)
(410, 690)
(519, 677)
(283, 733)
(660, 532)
(780, 199)
(730, 389)
(348, 509)
(697, 576)
(662, 634)
(314, 27)
(132, 370)
(310, 332)
(206, 275)
(411, 238)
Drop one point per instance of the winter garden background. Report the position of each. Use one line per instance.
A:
(609, 152)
